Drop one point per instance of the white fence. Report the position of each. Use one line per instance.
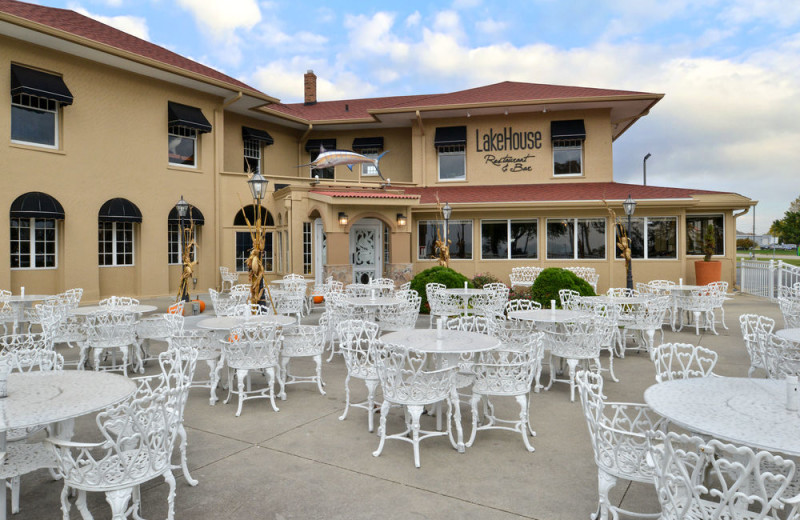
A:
(766, 277)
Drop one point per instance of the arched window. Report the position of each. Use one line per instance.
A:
(175, 237)
(250, 213)
(33, 231)
(244, 242)
(115, 231)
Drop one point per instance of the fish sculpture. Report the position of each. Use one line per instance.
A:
(331, 158)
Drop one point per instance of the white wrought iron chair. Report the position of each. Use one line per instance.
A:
(750, 324)
(505, 373)
(209, 350)
(222, 304)
(442, 305)
(158, 327)
(384, 286)
(567, 297)
(523, 276)
(118, 301)
(790, 308)
(357, 342)
(336, 311)
(405, 286)
(253, 347)
(618, 432)
(109, 331)
(647, 318)
(22, 455)
(576, 342)
(521, 305)
(682, 361)
(720, 292)
(288, 303)
(227, 277)
(493, 303)
(781, 356)
(139, 439)
(700, 302)
(406, 294)
(406, 381)
(742, 484)
(61, 327)
(401, 316)
(7, 313)
(302, 341)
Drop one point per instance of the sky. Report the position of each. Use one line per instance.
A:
(729, 121)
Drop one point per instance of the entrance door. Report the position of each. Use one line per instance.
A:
(365, 250)
(320, 252)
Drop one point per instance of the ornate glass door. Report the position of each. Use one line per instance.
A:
(366, 245)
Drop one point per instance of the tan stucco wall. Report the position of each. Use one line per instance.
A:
(278, 159)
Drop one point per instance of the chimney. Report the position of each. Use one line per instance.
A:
(310, 87)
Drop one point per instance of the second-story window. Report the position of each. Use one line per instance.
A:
(568, 138)
(184, 128)
(450, 143)
(316, 146)
(36, 101)
(252, 156)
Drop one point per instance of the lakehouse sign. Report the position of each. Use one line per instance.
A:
(498, 144)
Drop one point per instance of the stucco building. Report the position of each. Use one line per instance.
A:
(104, 132)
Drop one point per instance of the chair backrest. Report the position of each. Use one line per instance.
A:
(246, 309)
(621, 292)
(507, 372)
(524, 275)
(682, 361)
(118, 301)
(404, 286)
(741, 482)
(224, 304)
(288, 302)
(433, 287)
(406, 294)
(442, 303)
(566, 296)
(204, 341)
(512, 334)
(160, 326)
(781, 356)
(587, 273)
(240, 290)
(357, 340)
(252, 346)
(303, 340)
(402, 316)
(12, 342)
(73, 297)
(750, 324)
(405, 376)
(110, 327)
(790, 308)
(470, 323)
(176, 308)
(522, 305)
(579, 339)
(33, 359)
(650, 314)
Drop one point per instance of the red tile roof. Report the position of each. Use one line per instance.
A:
(85, 27)
(505, 92)
(578, 191)
(362, 194)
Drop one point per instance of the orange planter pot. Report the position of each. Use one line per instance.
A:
(707, 272)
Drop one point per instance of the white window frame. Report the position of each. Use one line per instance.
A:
(184, 133)
(174, 235)
(451, 151)
(706, 215)
(252, 150)
(645, 237)
(575, 222)
(32, 244)
(574, 144)
(308, 257)
(369, 170)
(508, 237)
(39, 101)
(114, 244)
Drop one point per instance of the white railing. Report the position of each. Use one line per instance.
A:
(765, 278)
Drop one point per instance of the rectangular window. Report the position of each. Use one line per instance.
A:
(33, 243)
(244, 244)
(696, 226)
(307, 248)
(322, 173)
(252, 156)
(496, 235)
(660, 234)
(452, 162)
(576, 238)
(568, 157)
(115, 243)
(369, 170)
(459, 235)
(34, 120)
(182, 146)
(175, 242)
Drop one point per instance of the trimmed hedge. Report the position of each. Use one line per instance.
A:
(439, 274)
(553, 279)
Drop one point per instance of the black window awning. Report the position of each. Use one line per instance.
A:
(450, 136)
(367, 143)
(119, 210)
(186, 116)
(195, 214)
(38, 83)
(36, 204)
(312, 145)
(572, 129)
(256, 135)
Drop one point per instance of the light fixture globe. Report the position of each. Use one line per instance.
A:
(182, 207)
(629, 206)
(447, 211)
(401, 219)
(258, 186)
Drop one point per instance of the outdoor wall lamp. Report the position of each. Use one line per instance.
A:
(401, 219)
(342, 218)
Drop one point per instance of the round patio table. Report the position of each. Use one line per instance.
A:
(229, 322)
(790, 334)
(547, 315)
(19, 302)
(674, 292)
(91, 309)
(466, 294)
(737, 409)
(450, 342)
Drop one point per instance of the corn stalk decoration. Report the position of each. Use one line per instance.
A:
(255, 265)
(189, 245)
(624, 242)
(439, 245)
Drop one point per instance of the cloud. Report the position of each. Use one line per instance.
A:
(490, 26)
(134, 25)
(774, 12)
(413, 19)
(284, 80)
(221, 17)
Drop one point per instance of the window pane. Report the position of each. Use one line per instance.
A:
(459, 235)
(636, 236)
(268, 256)
(591, 238)
(662, 237)
(322, 173)
(427, 236)
(566, 161)
(252, 165)
(560, 239)
(523, 239)
(494, 239)
(33, 126)
(452, 165)
(244, 244)
(181, 150)
(695, 229)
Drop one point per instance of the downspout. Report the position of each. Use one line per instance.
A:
(220, 157)
(735, 216)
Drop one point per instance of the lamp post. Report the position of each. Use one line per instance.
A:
(446, 212)
(182, 207)
(644, 168)
(258, 186)
(629, 206)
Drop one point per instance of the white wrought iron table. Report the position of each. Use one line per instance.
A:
(91, 309)
(547, 315)
(57, 397)
(229, 322)
(736, 409)
(674, 292)
(19, 302)
(466, 294)
(790, 334)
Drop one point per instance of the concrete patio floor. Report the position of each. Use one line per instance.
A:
(304, 463)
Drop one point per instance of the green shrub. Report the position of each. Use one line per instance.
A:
(553, 279)
(481, 279)
(439, 274)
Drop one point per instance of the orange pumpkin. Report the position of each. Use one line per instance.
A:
(319, 299)
(202, 305)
